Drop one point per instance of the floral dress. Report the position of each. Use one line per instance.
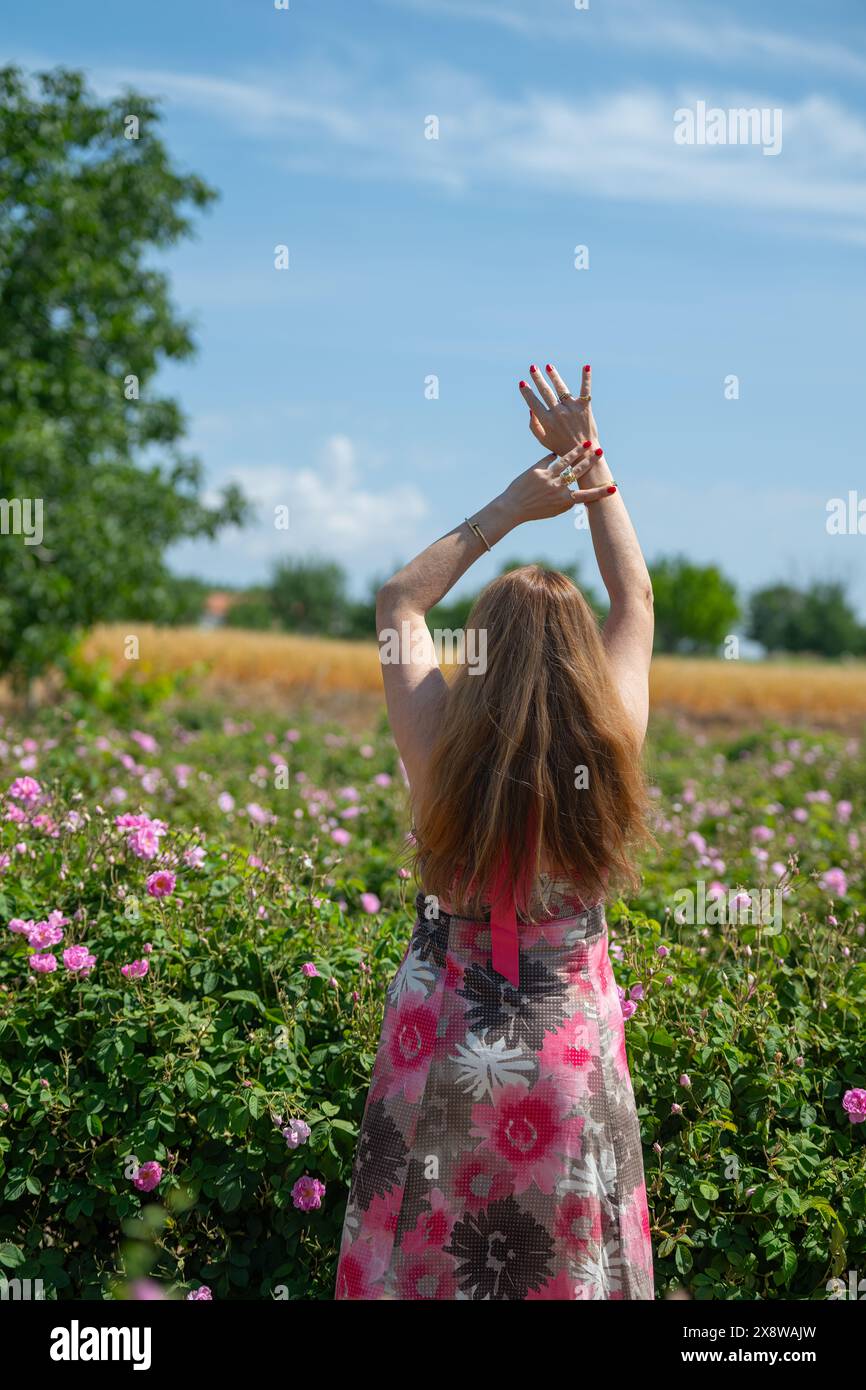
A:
(499, 1155)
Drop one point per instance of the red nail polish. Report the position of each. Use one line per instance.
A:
(548, 368)
(587, 368)
(533, 368)
(522, 384)
(587, 444)
(598, 453)
(611, 489)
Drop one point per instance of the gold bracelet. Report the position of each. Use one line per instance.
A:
(478, 532)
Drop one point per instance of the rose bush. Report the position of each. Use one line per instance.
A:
(199, 917)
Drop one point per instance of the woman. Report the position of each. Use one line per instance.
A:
(499, 1154)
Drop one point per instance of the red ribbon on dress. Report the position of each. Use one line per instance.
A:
(504, 942)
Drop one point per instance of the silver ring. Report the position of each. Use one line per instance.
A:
(565, 396)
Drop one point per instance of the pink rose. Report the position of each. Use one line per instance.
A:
(854, 1102)
(307, 1193)
(78, 959)
(43, 964)
(136, 970)
(147, 1177)
(161, 884)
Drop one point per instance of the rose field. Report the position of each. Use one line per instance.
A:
(201, 910)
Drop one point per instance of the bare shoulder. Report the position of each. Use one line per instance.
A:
(415, 690)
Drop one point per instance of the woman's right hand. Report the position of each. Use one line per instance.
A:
(559, 420)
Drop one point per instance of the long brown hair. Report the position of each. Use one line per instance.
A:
(505, 773)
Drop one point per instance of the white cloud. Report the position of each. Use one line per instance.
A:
(331, 509)
(686, 29)
(330, 506)
(616, 145)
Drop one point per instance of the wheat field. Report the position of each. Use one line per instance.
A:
(276, 667)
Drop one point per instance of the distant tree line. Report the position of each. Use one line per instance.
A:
(696, 608)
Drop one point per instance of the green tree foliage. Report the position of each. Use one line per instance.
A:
(695, 606)
(254, 612)
(310, 596)
(817, 620)
(85, 322)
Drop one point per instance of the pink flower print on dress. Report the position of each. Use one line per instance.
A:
(433, 1227)
(636, 1229)
(409, 1047)
(578, 1222)
(531, 1129)
(360, 1271)
(481, 1178)
(569, 1055)
(428, 1275)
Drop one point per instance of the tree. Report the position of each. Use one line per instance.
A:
(695, 606)
(818, 620)
(310, 596)
(87, 195)
(776, 617)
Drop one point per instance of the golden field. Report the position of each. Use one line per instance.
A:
(276, 668)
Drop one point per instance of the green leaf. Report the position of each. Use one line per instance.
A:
(245, 996)
(196, 1083)
(11, 1256)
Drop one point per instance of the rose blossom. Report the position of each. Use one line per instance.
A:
(78, 959)
(43, 964)
(136, 969)
(161, 884)
(854, 1102)
(25, 789)
(296, 1132)
(147, 1177)
(835, 881)
(44, 934)
(307, 1193)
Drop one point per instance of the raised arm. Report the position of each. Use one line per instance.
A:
(414, 685)
(565, 424)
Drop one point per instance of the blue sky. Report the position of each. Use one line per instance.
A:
(412, 257)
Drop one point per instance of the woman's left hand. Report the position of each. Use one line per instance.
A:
(543, 490)
(559, 420)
